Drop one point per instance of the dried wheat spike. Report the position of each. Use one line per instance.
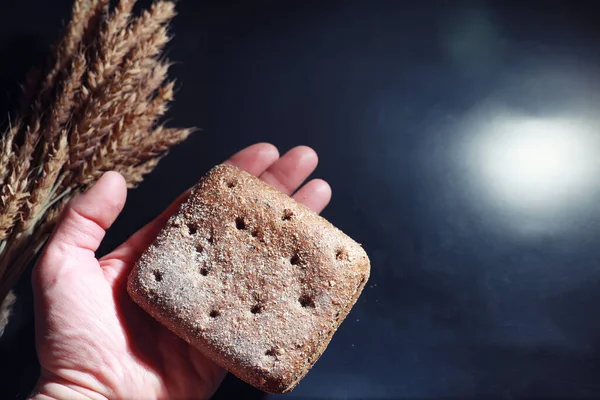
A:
(53, 150)
(99, 9)
(110, 114)
(44, 188)
(15, 192)
(65, 103)
(84, 21)
(154, 101)
(111, 46)
(7, 149)
(106, 109)
(154, 110)
(160, 14)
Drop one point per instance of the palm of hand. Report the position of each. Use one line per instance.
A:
(92, 340)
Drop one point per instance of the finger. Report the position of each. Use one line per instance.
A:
(84, 222)
(254, 160)
(288, 173)
(315, 195)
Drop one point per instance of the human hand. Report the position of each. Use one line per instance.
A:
(92, 340)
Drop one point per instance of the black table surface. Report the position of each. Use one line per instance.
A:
(462, 142)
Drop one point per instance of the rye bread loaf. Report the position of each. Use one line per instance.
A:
(254, 280)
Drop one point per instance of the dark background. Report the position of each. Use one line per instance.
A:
(480, 286)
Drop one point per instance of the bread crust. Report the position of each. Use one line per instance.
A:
(254, 280)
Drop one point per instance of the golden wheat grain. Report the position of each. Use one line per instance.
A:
(99, 9)
(145, 117)
(83, 14)
(12, 196)
(44, 188)
(111, 46)
(84, 17)
(159, 15)
(66, 99)
(154, 100)
(158, 106)
(15, 192)
(7, 149)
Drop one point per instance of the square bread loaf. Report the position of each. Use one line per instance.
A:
(256, 281)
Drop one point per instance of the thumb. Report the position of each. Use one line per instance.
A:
(83, 225)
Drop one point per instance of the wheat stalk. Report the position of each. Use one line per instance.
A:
(95, 107)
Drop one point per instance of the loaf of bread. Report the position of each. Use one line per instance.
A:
(256, 281)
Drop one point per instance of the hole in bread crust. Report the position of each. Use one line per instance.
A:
(199, 248)
(204, 271)
(192, 229)
(341, 255)
(214, 313)
(231, 183)
(157, 275)
(256, 309)
(273, 352)
(240, 223)
(211, 239)
(306, 301)
(258, 234)
(295, 260)
(287, 214)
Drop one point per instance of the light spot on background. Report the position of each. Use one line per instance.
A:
(538, 165)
